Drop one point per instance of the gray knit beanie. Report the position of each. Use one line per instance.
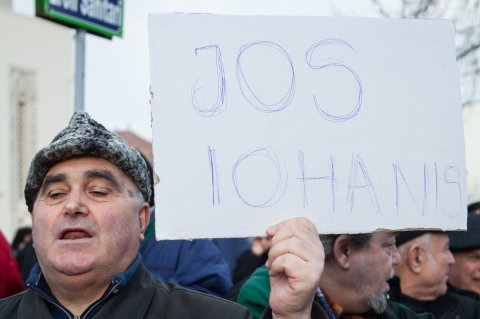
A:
(84, 136)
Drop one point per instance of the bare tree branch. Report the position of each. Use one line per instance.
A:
(421, 9)
(380, 8)
(466, 16)
(463, 52)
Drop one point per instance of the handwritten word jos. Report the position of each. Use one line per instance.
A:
(252, 96)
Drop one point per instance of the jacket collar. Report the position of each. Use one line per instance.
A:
(36, 275)
(36, 281)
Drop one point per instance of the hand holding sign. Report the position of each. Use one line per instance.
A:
(296, 261)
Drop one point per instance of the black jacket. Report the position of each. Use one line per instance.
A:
(399, 311)
(448, 306)
(467, 293)
(142, 297)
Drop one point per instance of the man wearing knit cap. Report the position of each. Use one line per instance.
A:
(421, 285)
(465, 246)
(88, 193)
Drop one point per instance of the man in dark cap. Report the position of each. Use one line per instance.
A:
(421, 285)
(465, 246)
(354, 281)
(474, 207)
(88, 194)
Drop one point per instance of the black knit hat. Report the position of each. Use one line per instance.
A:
(84, 136)
(473, 207)
(405, 236)
(466, 240)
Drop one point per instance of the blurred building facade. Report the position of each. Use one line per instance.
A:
(36, 101)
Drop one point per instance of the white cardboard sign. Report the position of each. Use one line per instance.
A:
(355, 123)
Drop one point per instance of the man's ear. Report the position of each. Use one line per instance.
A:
(342, 251)
(144, 219)
(416, 257)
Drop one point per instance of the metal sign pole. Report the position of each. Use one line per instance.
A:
(80, 70)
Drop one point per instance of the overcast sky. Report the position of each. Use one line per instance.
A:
(117, 71)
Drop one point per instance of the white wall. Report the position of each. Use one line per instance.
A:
(46, 50)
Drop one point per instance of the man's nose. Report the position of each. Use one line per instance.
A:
(395, 256)
(451, 259)
(75, 203)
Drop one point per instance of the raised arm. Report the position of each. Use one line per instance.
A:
(296, 261)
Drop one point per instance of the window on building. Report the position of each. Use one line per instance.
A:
(22, 133)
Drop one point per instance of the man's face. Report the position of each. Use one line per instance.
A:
(87, 219)
(374, 265)
(437, 264)
(465, 273)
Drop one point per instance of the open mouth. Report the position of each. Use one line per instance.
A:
(72, 234)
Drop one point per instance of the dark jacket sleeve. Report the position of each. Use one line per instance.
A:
(255, 292)
(195, 264)
(317, 312)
